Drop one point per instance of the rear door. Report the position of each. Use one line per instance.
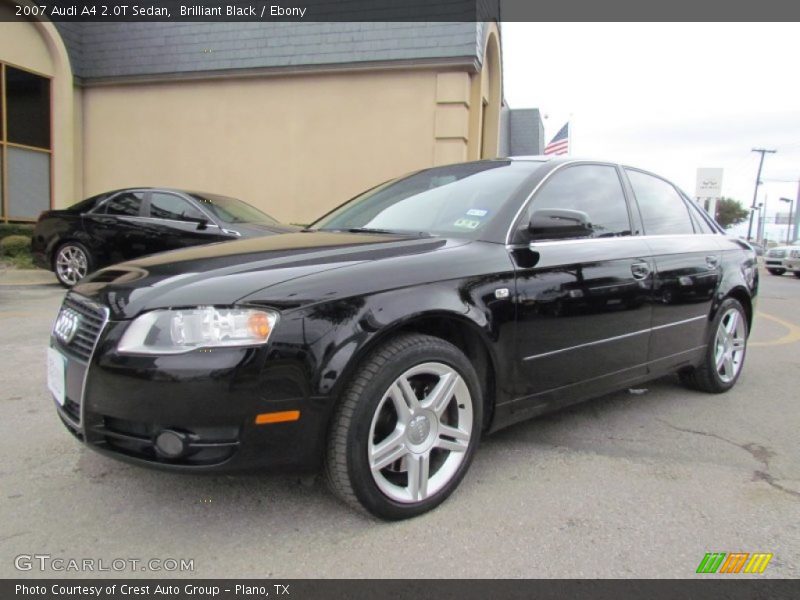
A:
(583, 305)
(688, 270)
(115, 227)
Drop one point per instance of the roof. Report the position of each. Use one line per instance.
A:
(103, 51)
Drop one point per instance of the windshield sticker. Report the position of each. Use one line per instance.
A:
(477, 212)
(467, 224)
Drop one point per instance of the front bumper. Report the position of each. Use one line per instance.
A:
(118, 404)
(792, 264)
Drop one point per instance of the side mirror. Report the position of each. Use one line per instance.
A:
(201, 223)
(559, 223)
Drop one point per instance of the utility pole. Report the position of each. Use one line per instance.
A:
(793, 225)
(762, 151)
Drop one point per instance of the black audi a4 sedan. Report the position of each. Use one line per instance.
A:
(383, 341)
(126, 224)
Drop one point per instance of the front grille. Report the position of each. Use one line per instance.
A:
(92, 319)
(776, 253)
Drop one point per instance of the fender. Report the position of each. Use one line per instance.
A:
(372, 319)
(740, 279)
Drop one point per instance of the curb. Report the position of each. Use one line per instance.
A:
(9, 277)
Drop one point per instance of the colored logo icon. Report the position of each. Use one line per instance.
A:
(734, 562)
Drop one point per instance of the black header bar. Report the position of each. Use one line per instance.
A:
(400, 10)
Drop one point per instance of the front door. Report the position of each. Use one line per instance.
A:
(173, 222)
(583, 305)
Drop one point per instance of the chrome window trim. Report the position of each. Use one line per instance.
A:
(209, 224)
(110, 198)
(614, 338)
(621, 238)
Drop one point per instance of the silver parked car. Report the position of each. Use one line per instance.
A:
(780, 259)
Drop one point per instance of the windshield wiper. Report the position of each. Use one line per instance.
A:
(389, 231)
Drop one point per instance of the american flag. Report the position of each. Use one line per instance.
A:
(560, 142)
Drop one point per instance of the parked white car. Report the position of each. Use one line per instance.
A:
(780, 259)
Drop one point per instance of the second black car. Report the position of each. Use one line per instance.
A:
(125, 224)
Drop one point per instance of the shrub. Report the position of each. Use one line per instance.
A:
(7, 229)
(15, 245)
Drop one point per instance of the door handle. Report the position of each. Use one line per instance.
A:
(712, 262)
(640, 270)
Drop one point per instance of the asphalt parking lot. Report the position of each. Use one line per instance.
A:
(629, 485)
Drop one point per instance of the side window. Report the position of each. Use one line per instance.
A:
(663, 210)
(699, 216)
(126, 204)
(593, 189)
(175, 208)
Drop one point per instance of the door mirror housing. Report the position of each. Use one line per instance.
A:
(559, 223)
(201, 223)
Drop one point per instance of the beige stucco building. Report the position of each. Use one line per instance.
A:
(292, 117)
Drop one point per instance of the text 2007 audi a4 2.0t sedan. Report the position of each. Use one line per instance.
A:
(383, 341)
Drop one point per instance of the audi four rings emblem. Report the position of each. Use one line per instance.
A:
(67, 325)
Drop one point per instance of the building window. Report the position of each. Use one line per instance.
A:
(25, 144)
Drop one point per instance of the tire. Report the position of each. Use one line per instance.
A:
(725, 352)
(797, 274)
(72, 261)
(377, 423)
(776, 271)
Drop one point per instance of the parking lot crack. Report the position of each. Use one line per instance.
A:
(760, 453)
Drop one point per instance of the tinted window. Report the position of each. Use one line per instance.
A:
(27, 108)
(700, 219)
(175, 208)
(593, 189)
(663, 210)
(125, 204)
(455, 200)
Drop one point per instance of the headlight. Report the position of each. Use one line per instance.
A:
(177, 331)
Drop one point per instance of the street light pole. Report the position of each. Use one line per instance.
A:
(762, 151)
(791, 222)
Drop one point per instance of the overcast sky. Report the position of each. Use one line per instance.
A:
(668, 97)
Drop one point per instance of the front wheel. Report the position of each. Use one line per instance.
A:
(71, 263)
(406, 428)
(724, 356)
(797, 274)
(776, 271)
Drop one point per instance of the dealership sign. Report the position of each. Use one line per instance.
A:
(709, 183)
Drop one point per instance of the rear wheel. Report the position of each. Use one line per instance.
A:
(725, 352)
(406, 428)
(71, 263)
(797, 274)
(777, 271)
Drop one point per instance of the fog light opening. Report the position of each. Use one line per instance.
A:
(171, 444)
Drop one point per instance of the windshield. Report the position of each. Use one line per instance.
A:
(231, 210)
(457, 200)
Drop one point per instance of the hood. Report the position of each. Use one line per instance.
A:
(221, 274)
(248, 230)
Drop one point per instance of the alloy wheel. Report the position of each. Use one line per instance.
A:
(72, 264)
(420, 432)
(729, 345)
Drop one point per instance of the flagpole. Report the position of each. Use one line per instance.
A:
(570, 135)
